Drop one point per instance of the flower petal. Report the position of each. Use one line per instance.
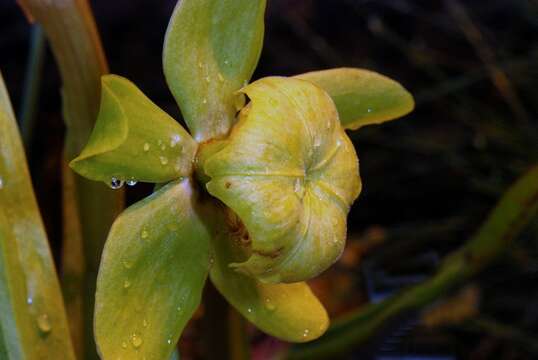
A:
(134, 139)
(362, 97)
(290, 173)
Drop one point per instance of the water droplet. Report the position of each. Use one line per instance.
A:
(144, 234)
(146, 147)
(178, 308)
(131, 182)
(127, 264)
(305, 333)
(115, 183)
(145, 323)
(369, 110)
(221, 78)
(43, 323)
(169, 341)
(338, 142)
(29, 300)
(269, 305)
(226, 62)
(207, 79)
(1, 183)
(163, 159)
(124, 345)
(136, 340)
(126, 284)
(174, 140)
(249, 310)
(204, 101)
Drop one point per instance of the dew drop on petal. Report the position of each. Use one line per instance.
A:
(43, 323)
(1, 183)
(127, 264)
(126, 284)
(144, 234)
(204, 101)
(124, 345)
(136, 340)
(145, 323)
(163, 160)
(115, 183)
(249, 310)
(146, 147)
(306, 332)
(369, 110)
(169, 341)
(178, 308)
(269, 305)
(226, 62)
(174, 140)
(29, 300)
(207, 79)
(131, 182)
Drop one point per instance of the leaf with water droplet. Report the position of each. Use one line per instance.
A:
(129, 122)
(208, 41)
(293, 180)
(32, 321)
(281, 310)
(178, 259)
(362, 97)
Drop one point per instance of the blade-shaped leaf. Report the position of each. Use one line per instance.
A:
(362, 97)
(153, 269)
(290, 312)
(32, 322)
(134, 139)
(210, 51)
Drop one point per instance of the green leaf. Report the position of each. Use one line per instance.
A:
(153, 269)
(290, 312)
(290, 173)
(134, 139)
(32, 323)
(362, 97)
(210, 51)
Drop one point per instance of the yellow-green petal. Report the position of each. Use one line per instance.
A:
(134, 139)
(362, 97)
(210, 51)
(152, 273)
(290, 312)
(290, 173)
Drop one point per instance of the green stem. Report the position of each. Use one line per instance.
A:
(32, 85)
(514, 210)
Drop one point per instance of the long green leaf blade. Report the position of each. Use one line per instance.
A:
(362, 97)
(210, 51)
(32, 315)
(153, 269)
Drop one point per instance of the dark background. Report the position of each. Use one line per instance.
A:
(429, 179)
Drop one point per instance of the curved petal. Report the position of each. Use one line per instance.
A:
(210, 51)
(152, 273)
(134, 139)
(290, 312)
(362, 97)
(290, 173)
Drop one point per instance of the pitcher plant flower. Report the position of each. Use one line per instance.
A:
(254, 196)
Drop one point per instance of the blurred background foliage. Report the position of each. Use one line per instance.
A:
(429, 179)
